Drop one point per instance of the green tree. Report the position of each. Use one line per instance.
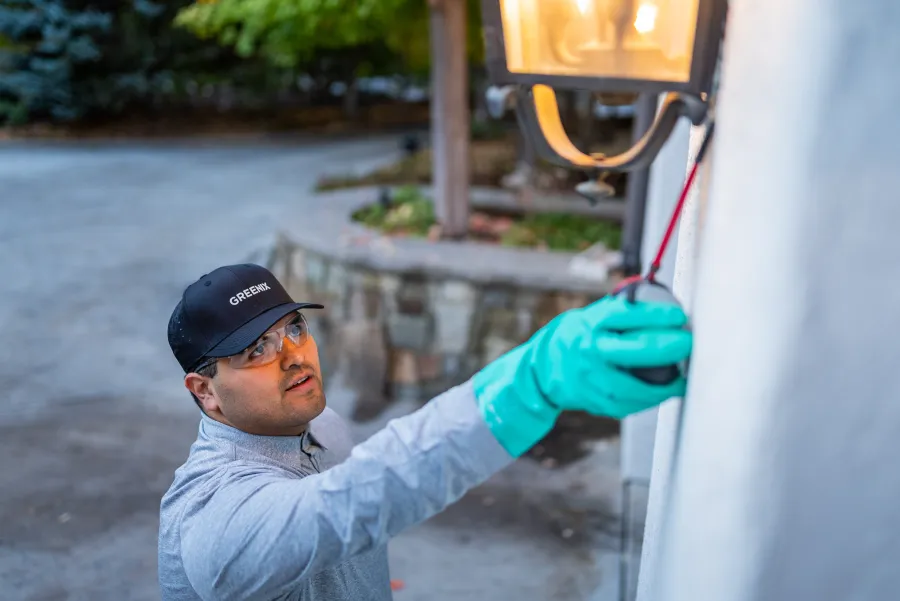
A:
(44, 45)
(71, 60)
(297, 32)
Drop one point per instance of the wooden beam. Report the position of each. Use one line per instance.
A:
(450, 116)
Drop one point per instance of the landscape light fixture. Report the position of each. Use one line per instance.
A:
(533, 47)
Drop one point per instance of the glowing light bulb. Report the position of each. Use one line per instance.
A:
(645, 20)
(583, 6)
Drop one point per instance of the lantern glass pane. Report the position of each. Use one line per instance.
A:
(650, 40)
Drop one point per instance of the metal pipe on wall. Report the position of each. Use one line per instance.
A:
(638, 431)
(680, 273)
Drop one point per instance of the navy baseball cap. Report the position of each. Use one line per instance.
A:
(225, 311)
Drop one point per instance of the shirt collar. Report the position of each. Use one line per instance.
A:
(277, 447)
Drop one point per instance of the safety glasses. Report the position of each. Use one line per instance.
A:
(267, 347)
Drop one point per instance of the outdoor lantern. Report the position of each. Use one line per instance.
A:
(645, 46)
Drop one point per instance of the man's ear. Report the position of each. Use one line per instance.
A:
(201, 387)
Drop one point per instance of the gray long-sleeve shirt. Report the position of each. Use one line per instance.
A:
(305, 517)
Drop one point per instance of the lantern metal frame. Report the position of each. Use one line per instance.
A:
(537, 110)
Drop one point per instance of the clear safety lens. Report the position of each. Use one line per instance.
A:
(265, 350)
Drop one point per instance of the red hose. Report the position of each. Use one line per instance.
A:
(676, 212)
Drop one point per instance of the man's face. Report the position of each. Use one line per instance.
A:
(278, 398)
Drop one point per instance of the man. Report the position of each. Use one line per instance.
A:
(272, 503)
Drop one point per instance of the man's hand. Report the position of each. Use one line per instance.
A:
(578, 361)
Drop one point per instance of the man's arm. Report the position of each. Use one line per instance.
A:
(256, 536)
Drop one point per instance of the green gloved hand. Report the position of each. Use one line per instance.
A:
(577, 362)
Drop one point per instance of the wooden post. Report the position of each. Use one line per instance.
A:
(450, 116)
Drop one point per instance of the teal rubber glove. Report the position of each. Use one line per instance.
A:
(576, 362)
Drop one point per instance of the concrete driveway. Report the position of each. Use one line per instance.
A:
(98, 241)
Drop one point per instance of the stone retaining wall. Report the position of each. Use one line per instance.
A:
(409, 334)
(408, 318)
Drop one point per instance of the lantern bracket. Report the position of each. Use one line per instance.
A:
(538, 115)
(500, 99)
